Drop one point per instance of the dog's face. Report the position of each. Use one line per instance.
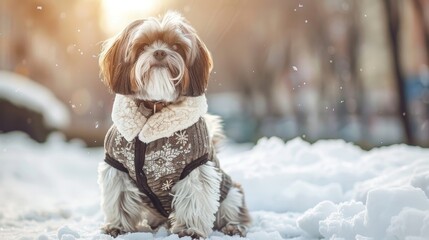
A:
(156, 60)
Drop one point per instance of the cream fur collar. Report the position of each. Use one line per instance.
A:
(172, 118)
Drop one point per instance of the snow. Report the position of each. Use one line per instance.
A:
(295, 190)
(26, 93)
(67, 233)
(392, 213)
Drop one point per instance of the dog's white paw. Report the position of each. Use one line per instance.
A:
(234, 229)
(112, 231)
(189, 233)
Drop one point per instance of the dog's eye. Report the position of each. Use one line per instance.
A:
(179, 49)
(143, 47)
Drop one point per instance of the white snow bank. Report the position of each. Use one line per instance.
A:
(296, 175)
(394, 166)
(295, 190)
(42, 180)
(389, 214)
(29, 94)
(349, 193)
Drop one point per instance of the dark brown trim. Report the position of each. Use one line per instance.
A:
(139, 159)
(112, 162)
(194, 164)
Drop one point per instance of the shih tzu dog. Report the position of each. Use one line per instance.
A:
(161, 167)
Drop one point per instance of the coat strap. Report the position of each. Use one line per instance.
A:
(114, 163)
(194, 164)
(139, 159)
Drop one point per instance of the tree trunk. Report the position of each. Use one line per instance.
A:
(419, 9)
(420, 13)
(358, 86)
(393, 24)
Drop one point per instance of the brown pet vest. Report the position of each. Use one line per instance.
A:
(155, 167)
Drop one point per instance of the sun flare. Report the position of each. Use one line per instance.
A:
(118, 13)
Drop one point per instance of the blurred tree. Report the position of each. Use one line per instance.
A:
(419, 9)
(393, 20)
(357, 107)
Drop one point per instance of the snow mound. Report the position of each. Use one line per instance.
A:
(309, 222)
(297, 175)
(395, 213)
(67, 233)
(29, 94)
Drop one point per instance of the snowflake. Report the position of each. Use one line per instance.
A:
(167, 185)
(187, 149)
(124, 152)
(160, 163)
(181, 138)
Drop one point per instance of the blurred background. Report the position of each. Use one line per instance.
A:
(350, 69)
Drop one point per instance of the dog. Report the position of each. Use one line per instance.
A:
(161, 167)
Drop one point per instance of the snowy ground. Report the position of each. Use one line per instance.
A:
(295, 190)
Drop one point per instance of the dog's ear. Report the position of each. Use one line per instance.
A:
(198, 59)
(115, 67)
(197, 79)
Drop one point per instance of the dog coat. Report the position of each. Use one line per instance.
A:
(157, 162)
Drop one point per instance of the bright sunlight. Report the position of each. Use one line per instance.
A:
(117, 14)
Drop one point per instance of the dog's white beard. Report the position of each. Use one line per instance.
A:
(159, 86)
(159, 83)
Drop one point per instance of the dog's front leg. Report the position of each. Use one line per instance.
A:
(195, 202)
(120, 201)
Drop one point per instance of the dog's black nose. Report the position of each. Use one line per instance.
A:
(159, 54)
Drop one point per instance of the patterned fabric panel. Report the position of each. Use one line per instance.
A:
(166, 158)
